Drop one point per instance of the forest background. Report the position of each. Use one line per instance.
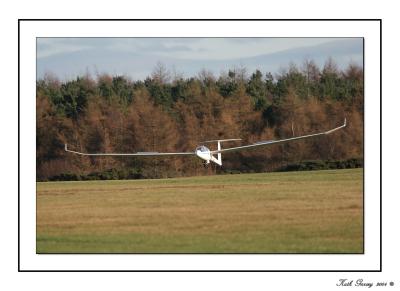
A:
(167, 112)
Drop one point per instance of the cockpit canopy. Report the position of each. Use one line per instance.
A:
(202, 149)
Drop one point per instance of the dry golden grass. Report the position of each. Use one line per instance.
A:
(295, 212)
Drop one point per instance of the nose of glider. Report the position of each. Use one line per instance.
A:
(203, 153)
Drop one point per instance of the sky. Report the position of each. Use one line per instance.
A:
(136, 58)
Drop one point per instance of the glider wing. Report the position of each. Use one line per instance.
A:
(138, 154)
(270, 142)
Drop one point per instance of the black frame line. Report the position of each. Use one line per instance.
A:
(218, 20)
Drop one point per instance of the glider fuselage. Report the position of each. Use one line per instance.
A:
(204, 153)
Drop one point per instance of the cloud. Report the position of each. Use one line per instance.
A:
(52, 46)
(48, 47)
(135, 56)
(181, 48)
(147, 46)
(229, 48)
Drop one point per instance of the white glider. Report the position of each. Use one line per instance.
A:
(205, 153)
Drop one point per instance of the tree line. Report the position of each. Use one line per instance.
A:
(167, 112)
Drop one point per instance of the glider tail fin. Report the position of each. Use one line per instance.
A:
(217, 160)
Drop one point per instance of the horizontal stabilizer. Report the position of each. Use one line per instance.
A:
(221, 140)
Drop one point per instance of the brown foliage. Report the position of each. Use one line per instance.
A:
(108, 125)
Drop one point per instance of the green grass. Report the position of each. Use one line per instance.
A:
(293, 212)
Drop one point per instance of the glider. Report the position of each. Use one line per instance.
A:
(205, 153)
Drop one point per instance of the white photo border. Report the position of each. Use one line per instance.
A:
(370, 30)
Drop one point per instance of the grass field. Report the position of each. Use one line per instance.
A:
(293, 212)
